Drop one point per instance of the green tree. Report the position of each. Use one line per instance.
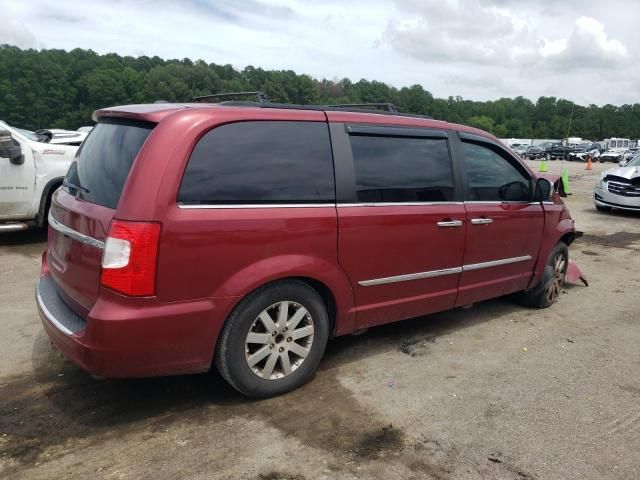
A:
(55, 88)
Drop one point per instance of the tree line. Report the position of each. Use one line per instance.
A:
(60, 89)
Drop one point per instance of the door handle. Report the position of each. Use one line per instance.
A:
(450, 223)
(481, 221)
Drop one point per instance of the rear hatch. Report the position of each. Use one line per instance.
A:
(83, 208)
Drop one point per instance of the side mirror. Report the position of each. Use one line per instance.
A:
(514, 192)
(9, 149)
(622, 162)
(543, 190)
(44, 135)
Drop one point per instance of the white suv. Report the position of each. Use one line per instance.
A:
(30, 171)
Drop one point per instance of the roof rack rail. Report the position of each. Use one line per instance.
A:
(385, 106)
(261, 97)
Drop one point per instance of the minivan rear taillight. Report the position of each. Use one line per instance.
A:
(129, 258)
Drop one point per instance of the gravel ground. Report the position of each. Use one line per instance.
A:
(497, 391)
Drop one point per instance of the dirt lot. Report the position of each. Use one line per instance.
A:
(497, 391)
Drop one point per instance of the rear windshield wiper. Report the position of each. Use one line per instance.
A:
(74, 186)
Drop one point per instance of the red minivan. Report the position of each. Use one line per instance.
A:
(245, 235)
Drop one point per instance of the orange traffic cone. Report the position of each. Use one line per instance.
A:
(589, 164)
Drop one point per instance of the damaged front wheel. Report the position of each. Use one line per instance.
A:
(547, 292)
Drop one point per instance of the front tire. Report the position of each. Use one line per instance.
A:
(548, 291)
(273, 340)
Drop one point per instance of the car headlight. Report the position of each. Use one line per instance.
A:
(600, 181)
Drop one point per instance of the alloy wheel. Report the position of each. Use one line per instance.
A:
(279, 340)
(552, 292)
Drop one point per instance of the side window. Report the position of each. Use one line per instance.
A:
(402, 169)
(491, 176)
(260, 163)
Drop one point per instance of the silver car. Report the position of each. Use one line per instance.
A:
(619, 187)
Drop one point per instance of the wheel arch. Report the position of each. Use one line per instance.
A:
(327, 296)
(564, 231)
(45, 199)
(567, 238)
(325, 277)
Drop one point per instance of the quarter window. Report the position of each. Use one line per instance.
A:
(261, 163)
(490, 175)
(402, 169)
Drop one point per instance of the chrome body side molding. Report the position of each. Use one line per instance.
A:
(495, 263)
(411, 276)
(445, 271)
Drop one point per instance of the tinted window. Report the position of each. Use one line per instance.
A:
(103, 161)
(261, 162)
(401, 169)
(491, 175)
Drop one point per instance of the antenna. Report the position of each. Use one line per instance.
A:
(570, 118)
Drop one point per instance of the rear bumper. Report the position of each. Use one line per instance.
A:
(124, 337)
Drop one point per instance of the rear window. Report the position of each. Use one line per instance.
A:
(103, 161)
(265, 162)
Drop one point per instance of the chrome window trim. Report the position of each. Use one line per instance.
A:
(495, 263)
(396, 204)
(411, 276)
(69, 232)
(325, 205)
(445, 271)
(500, 202)
(49, 315)
(257, 205)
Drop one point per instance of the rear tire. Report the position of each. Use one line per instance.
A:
(273, 340)
(547, 292)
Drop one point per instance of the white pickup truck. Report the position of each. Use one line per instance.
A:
(30, 171)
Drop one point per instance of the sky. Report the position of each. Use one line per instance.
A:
(587, 51)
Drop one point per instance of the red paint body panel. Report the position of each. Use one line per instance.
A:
(231, 252)
(144, 337)
(378, 242)
(210, 258)
(75, 265)
(516, 231)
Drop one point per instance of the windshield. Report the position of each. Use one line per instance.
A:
(25, 133)
(28, 133)
(634, 162)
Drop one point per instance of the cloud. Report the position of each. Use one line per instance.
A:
(238, 11)
(583, 50)
(13, 32)
(460, 31)
(588, 47)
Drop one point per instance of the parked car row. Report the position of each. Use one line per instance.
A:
(578, 152)
(616, 155)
